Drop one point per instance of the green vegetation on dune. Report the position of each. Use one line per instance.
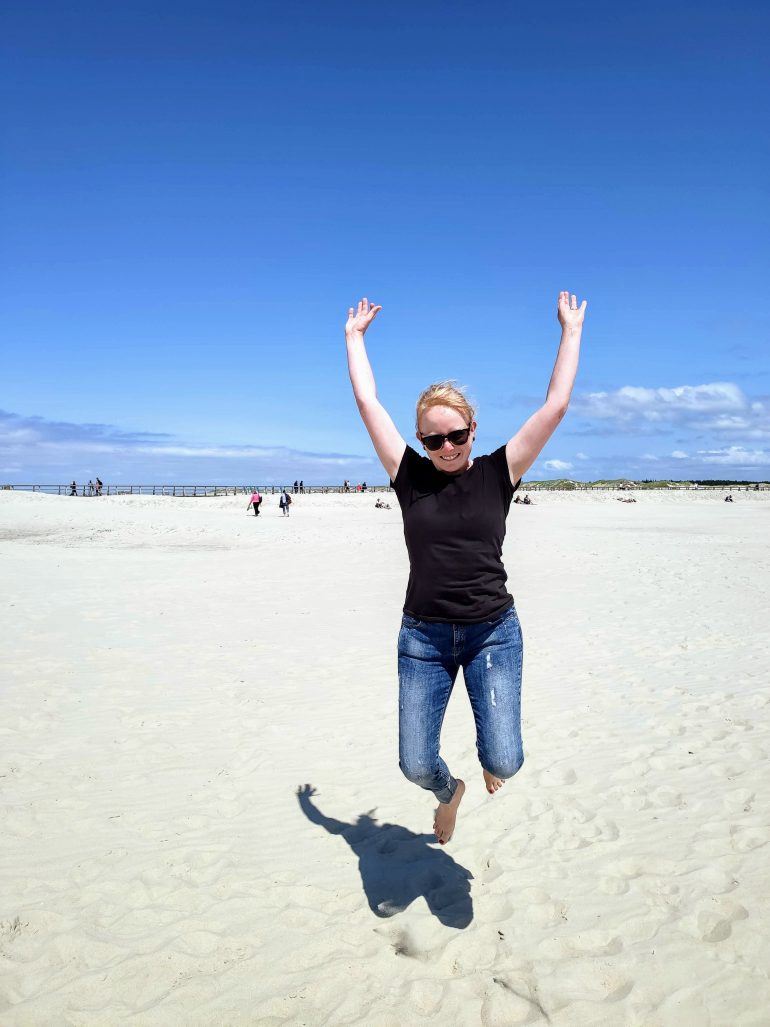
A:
(566, 484)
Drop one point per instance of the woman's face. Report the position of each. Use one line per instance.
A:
(440, 421)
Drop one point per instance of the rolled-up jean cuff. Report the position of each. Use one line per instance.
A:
(447, 794)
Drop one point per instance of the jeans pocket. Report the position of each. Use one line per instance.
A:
(410, 622)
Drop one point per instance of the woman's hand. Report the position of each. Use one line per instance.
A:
(359, 321)
(568, 312)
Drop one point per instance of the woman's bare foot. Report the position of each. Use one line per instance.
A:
(446, 814)
(492, 782)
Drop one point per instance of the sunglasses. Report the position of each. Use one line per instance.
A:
(434, 442)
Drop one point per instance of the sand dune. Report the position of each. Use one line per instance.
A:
(203, 817)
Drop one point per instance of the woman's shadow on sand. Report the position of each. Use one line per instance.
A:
(397, 866)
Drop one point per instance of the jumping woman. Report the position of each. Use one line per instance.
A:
(458, 612)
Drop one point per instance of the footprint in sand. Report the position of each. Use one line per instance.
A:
(535, 808)
(573, 984)
(728, 771)
(668, 798)
(570, 840)
(426, 996)
(751, 753)
(228, 809)
(579, 815)
(632, 771)
(738, 799)
(671, 730)
(566, 733)
(714, 734)
(746, 839)
(637, 867)
(534, 896)
(635, 799)
(558, 776)
(613, 885)
(608, 829)
(497, 909)
(506, 1004)
(711, 881)
(551, 914)
(742, 725)
(491, 870)
(586, 943)
(714, 922)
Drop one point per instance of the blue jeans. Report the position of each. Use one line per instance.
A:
(429, 657)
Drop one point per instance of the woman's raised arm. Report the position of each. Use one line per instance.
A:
(523, 449)
(384, 434)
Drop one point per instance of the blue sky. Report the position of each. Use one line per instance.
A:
(193, 194)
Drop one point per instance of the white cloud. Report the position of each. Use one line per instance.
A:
(557, 465)
(631, 401)
(737, 456)
(721, 407)
(581, 456)
(35, 445)
(247, 453)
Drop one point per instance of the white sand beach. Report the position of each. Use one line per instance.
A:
(176, 671)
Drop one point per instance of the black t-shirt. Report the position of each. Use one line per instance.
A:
(454, 526)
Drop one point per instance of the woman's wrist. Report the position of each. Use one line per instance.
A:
(571, 331)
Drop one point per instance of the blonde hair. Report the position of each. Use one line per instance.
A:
(445, 394)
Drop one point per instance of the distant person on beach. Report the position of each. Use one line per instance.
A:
(728, 499)
(255, 501)
(301, 488)
(458, 612)
(99, 486)
(73, 489)
(285, 502)
(296, 487)
(382, 506)
(90, 488)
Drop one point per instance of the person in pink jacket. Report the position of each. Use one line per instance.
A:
(255, 501)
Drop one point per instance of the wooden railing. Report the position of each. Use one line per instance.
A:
(234, 490)
(189, 490)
